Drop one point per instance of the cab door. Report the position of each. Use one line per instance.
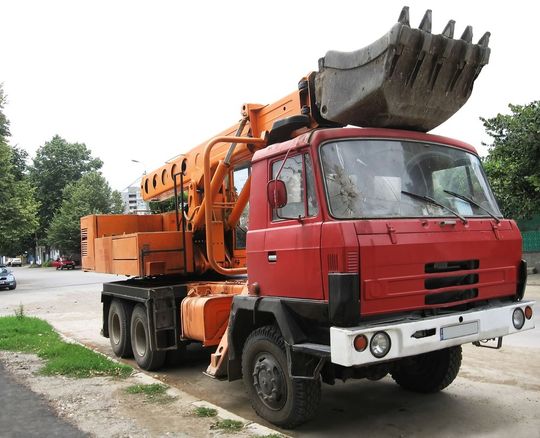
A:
(292, 256)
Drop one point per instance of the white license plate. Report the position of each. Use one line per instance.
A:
(459, 330)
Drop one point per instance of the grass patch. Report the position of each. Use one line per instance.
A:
(228, 425)
(154, 393)
(32, 335)
(203, 411)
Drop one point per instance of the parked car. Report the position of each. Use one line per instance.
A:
(7, 279)
(63, 263)
(15, 262)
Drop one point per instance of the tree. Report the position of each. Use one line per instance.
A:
(18, 211)
(513, 163)
(18, 160)
(91, 194)
(57, 164)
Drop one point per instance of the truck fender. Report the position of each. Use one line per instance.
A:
(251, 312)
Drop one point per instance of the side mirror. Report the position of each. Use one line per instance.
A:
(277, 193)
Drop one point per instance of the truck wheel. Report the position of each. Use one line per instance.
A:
(119, 333)
(274, 395)
(430, 372)
(145, 357)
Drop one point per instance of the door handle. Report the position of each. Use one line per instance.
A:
(272, 257)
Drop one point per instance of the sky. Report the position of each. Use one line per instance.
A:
(148, 80)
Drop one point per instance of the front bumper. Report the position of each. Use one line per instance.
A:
(5, 283)
(443, 331)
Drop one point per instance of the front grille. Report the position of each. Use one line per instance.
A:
(463, 265)
(459, 280)
(442, 282)
(451, 296)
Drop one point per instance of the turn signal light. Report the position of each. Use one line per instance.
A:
(528, 312)
(360, 343)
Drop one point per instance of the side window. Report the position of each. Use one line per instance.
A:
(297, 174)
(240, 177)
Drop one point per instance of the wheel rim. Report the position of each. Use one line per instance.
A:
(269, 381)
(115, 328)
(140, 339)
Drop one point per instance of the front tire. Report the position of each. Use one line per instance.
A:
(274, 395)
(430, 372)
(119, 329)
(145, 357)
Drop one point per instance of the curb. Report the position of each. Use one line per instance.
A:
(251, 427)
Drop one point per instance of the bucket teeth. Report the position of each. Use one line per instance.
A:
(449, 29)
(404, 16)
(467, 34)
(425, 24)
(484, 41)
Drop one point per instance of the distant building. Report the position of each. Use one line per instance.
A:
(133, 201)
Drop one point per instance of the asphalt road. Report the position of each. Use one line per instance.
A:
(497, 392)
(25, 414)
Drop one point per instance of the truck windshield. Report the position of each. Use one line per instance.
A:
(372, 178)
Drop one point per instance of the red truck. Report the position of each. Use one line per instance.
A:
(63, 263)
(305, 250)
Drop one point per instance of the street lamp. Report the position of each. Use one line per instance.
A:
(138, 162)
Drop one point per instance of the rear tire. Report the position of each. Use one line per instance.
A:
(145, 357)
(119, 330)
(430, 372)
(274, 395)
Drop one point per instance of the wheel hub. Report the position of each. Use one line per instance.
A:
(269, 382)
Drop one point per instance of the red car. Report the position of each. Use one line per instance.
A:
(63, 263)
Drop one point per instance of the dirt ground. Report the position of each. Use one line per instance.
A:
(496, 394)
(101, 407)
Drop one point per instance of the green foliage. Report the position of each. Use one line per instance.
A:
(228, 425)
(18, 161)
(513, 163)
(203, 411)
(19, 311)
(154, 393)
(167, 205)
(4, 123)
(91, 194)
(18, 205)
(57, 164)
(33, 335)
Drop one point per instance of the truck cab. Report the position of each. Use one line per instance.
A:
(411, 215)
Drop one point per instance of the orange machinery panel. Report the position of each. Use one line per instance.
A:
(136, 245)
(205, 318)
(103, 225)
(144, 254)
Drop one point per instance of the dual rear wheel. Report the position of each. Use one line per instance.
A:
(129, 335)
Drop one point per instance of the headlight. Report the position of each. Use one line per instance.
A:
(380, 344)
(10, 278)
(518, 318)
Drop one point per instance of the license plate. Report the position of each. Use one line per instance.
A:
(459, 330)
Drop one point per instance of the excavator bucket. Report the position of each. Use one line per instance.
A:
(408, 79)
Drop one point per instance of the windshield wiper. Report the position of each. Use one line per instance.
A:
(432, 201)
(476, 204)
